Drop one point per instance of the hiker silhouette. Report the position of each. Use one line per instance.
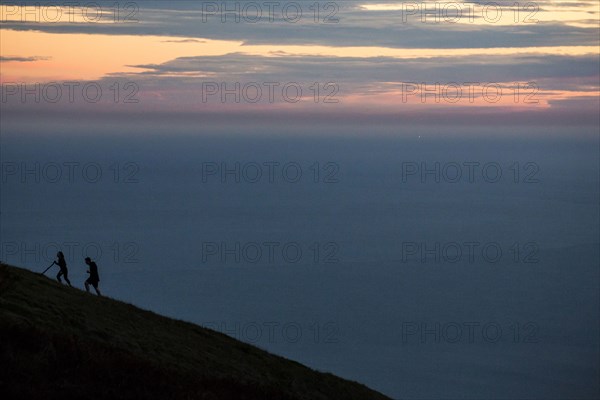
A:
(62, 264)
(94, 278)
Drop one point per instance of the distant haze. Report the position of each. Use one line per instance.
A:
(356, 307)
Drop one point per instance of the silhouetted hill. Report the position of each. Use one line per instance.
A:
(62, 343)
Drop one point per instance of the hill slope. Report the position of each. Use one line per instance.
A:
(62, 343)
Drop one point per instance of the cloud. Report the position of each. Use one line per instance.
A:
(185, 41)
(365, 71)
(356, 27)
(23, 59)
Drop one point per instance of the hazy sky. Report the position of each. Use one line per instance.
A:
(374, 59)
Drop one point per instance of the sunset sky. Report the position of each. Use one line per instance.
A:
(374, 58)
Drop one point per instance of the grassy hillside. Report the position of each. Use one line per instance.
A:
(62, 343)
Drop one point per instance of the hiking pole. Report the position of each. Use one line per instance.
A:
(53, 262)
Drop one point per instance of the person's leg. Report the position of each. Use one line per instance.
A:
(87, 286)
(58, 276)
(97, 290)
(66, 276)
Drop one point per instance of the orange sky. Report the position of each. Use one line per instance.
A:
(79, 56)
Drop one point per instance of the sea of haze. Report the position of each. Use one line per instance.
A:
(424, 263)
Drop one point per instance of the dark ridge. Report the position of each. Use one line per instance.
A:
(61, 343)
